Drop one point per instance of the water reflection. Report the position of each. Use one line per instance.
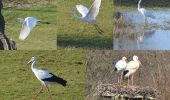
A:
(136, 36)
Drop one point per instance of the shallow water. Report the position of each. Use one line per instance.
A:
(154, 36)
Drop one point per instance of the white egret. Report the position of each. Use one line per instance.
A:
(45, 77)
(89, 15)
(131, 68)
(27, 25)
(120, 67)
(145, 13)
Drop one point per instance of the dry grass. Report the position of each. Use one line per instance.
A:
(131, 92)
(26, 3)
(100, 66)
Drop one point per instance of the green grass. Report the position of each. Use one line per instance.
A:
(72, 32)
(19, 83)
(42, 37)
(64, 28)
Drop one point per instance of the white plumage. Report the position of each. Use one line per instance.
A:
(121, 64)
(27, 25)
(89, 15)
(45, 77)
(144, 12)
(41, 74)
(131, 68)
(82, 10)
(119, 67)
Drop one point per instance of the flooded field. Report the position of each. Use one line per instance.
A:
(155, 35)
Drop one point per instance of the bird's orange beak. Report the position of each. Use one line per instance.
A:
(140, 63)
(29, 62)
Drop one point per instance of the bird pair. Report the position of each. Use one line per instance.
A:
(45, 77)
(127, 69)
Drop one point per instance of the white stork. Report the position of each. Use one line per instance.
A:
(27, 25)
(131, 68)
(45, 77)
(119, 67)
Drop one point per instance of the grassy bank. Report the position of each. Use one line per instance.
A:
(72, 32)
(19, 83)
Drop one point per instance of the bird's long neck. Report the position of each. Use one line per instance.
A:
(33, 65)
(139, 4)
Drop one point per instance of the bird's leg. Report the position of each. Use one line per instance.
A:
(121, 78)
(49, 92)
(146, 22)
(98, 29)
(128, 81)
(118, 79)
(132, 80)
(38, 93)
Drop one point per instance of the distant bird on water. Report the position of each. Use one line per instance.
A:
(45, 77)
(89, 15)
(27, 25)
(145, 13)
(131, 68)
(120, 67)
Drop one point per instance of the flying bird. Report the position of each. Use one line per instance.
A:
(45, 77)
(89, 15)
(145, 13)
(120, 67)
(27, 25)
(131, 68)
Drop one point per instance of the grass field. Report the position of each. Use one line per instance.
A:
(72, 32)
(19, 83)
(154, 73)
(42, 37)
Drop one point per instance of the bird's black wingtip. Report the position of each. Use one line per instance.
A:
(115, 69)
(125, 72)
(64, 83)
(48, 23)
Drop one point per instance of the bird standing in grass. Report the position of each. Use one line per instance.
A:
(145, 13)
(131, 68)
(27, 25)
(45, 77)
(89, 15)
(119, 67)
